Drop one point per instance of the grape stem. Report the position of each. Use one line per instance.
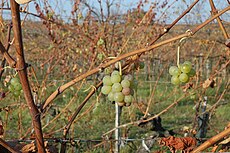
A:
(178, 50)
(120, 69)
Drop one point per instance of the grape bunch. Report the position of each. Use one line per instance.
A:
(118, 88)
(182, 73)
(15, 87)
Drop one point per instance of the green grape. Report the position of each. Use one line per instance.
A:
(126, 91)
(100, 56)
(111, 96)
(100, 42)
(128, 99)
(16, 93)
(183, 77)
(106, 90)
(188, 63)
(115, 72)
(128, 77)
(14, 81)
(115, 78)
(192, 73)
(175, 80)
(186, 67)
(173, 70)
(125, 83)
(17, 86)
(11, 88)
(107, 80)
(116, 87)
(118, 97)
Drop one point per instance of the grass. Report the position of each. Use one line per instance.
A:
(101, 117)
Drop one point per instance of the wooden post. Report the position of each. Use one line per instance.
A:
(117, 131)
(203, 120)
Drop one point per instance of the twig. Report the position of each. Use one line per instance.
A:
(174, 22)
(104, 65)
(7, 56)
(21, 67)
(214, 11)
(7, 48)
(212, 141)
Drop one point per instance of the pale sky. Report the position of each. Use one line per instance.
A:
(200, 12)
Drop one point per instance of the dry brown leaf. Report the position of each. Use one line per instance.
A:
(29, 148)
(209, 83)
(185, 144)
(226, 141)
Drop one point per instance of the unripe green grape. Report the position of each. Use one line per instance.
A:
(118, 97)
(192, 73)
(100, 56)
(128, 99)
(186, 67)
(116, 87)
(175, 80)
(125, 83)
(115, 78)
(128, 77)
(115, 72)
(14, 81)
(189, 63)
(111, 96)
(107, 80)
(106, 89)
(171, 69)
(126, 91)
(100, 42)
(175, 71)
(183, 77)
(11, 88)
(17, 86)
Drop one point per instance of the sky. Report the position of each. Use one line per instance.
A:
(200, 12)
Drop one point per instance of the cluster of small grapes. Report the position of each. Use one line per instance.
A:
(15, 87)
(118, 88)
(182, 73)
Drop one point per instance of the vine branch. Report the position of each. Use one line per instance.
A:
(124, 56)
